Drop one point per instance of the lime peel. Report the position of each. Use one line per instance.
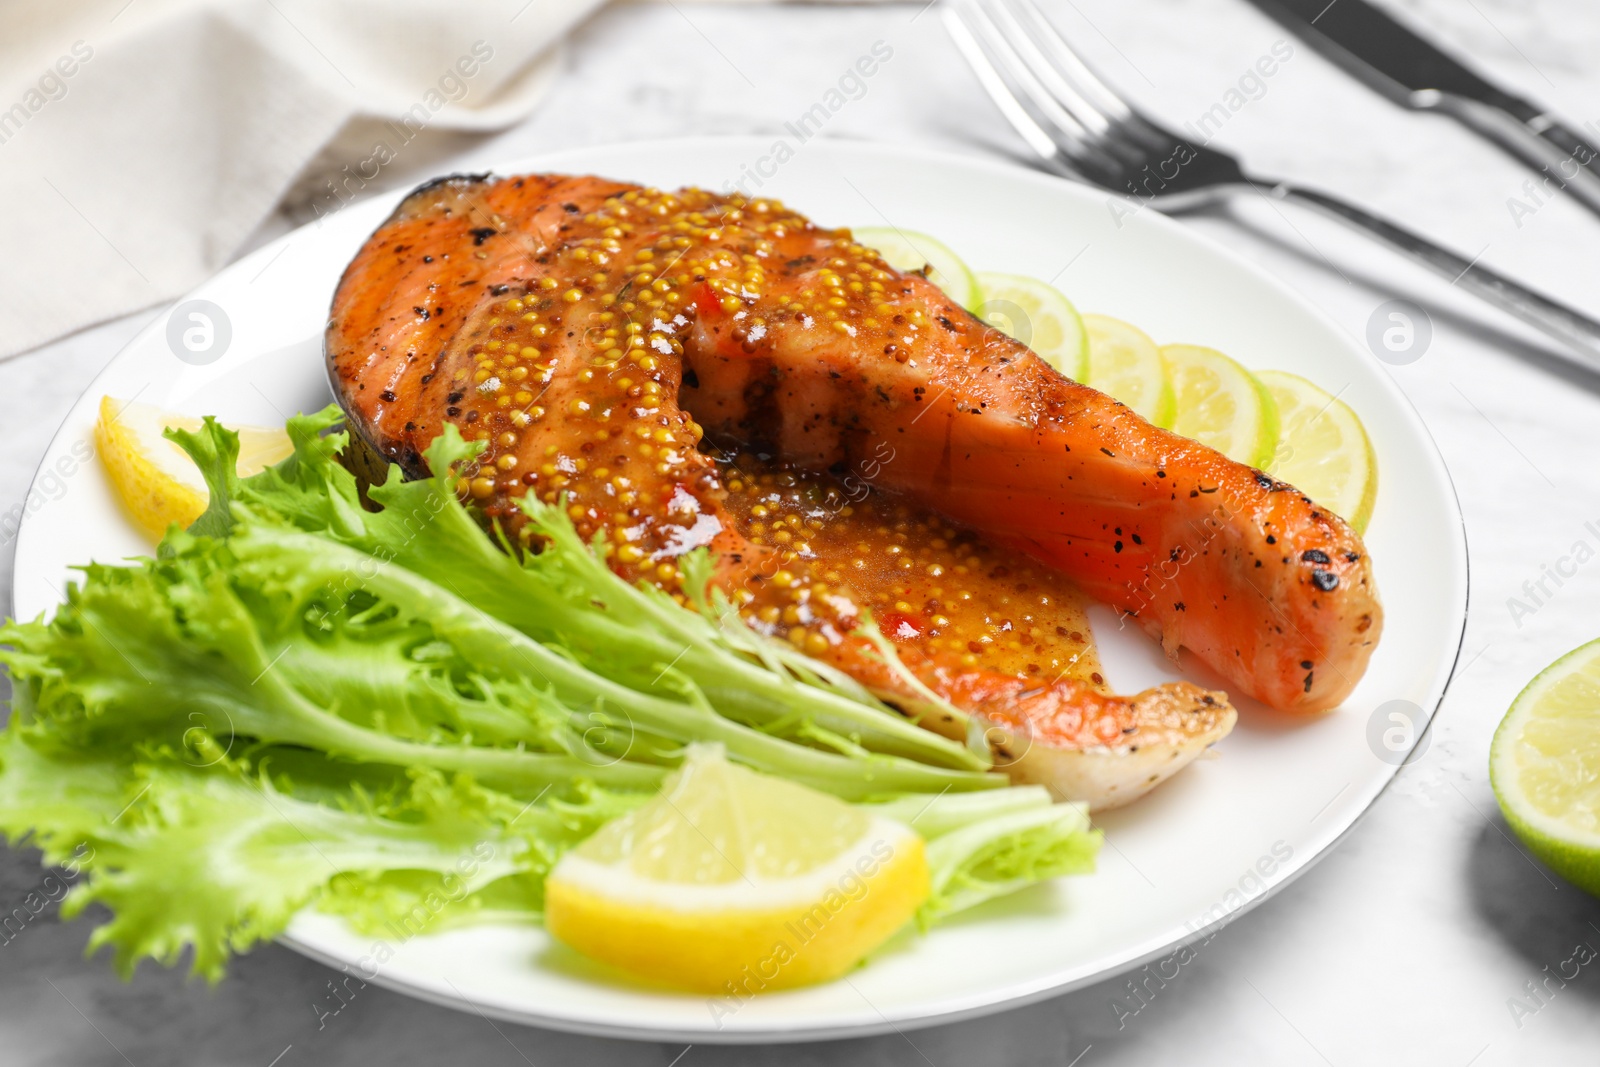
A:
(1323, 450)
(1221, 404)
(1544, 763)
(1127, 366)
(910, 251)
(1038, 315)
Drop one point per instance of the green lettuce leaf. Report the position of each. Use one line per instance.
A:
(373, 706)
(987, 845)
(565, 595)
(214, 859)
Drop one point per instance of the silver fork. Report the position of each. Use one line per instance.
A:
(1079, 126)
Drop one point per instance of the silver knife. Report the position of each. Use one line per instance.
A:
(1414, 73)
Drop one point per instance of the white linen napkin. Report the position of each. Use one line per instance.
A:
(142, 141)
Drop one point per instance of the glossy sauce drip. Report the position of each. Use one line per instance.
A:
(943, 596)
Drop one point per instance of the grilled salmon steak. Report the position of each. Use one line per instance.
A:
(690, 369)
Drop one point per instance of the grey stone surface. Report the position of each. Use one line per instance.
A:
(1409, 941)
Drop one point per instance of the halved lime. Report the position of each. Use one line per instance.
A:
(1221, 404)
(1544, 765)
(908, 250)
(1323, 451)
(1124, 363)
(1036, 314)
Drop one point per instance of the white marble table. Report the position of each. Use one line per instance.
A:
(1409, 942)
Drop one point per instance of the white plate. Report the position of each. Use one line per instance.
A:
(1218, 838)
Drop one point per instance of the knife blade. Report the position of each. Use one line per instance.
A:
(1411, 71)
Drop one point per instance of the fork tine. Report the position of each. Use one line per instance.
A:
(1067, 61)
(1049, 129)
(993, 84)
(1072, 69)
(1088, 112)
(1108, 129)
(1023, 74)
(984, 29)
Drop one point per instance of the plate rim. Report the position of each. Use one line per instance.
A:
(970, 1006)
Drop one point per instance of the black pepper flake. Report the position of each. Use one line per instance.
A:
(1313, 555)
(387, 396)
(1326, 581)
(1108, 451)
(1116, 546)
(1263, 481)
(1161, 474)
(1306, 664)
(1271, 540)
(482, 234)
(1136, 540)
(427, 259)
(1308, 681)
(455, 397)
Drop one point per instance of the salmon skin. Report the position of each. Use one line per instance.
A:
(603, 340)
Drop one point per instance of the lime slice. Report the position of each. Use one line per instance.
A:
(1545, 766)
(1221, 404)
(1127, 365)
(1036, 314)
(727, 871)
(1323, 451)
(908, 250)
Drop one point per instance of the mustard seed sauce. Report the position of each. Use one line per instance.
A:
(593, 334)
(938, 591)
(570, 380)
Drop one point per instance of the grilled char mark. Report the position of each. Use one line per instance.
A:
(801, 340)
(419, 291)
(1202, 552)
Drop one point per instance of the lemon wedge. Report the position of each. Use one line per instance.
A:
(733, 882)
(155, 479)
